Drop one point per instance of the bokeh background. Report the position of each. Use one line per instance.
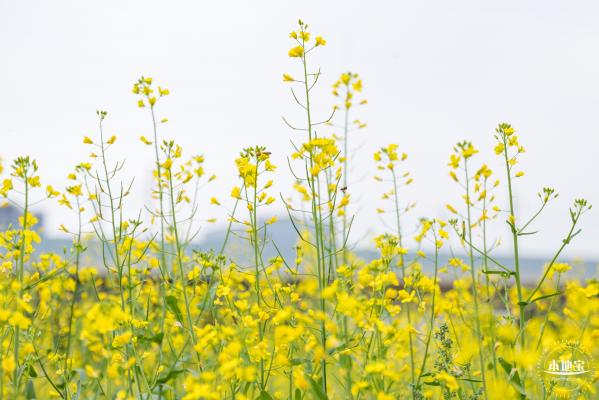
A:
(434, 73)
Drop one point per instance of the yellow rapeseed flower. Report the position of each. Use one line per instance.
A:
(297, 51)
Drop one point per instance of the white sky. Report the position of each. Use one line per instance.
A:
(434, 72)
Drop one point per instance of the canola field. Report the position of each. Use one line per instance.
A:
(156, 318)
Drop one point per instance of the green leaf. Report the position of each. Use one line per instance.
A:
(469, 380)
(30, 391)
(317, 389)
(171, 302)
(574, 234)
(298, 394)
(513, 228)
(246, 388)
(171, 374)
(492, 272)
(157, 338)
(499, 272)
(32, 372)
(546, 296)
(527, 233)
(513, 375)
(264, 396)
(77, 394)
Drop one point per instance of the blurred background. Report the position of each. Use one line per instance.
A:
(434, 73)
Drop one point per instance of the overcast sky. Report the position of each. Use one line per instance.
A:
(434, 73)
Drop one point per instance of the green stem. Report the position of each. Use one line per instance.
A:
(554, 259)
(163, 262)
(544, 324)
(254, 223)
(403, 277)
(75, 293)
(474, 282)
(488, 283)
(521, 304)
(317, 227)
(180, 257)
(432, 318)
(20, 274)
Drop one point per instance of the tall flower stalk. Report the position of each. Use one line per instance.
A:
(24, 169)
(117, 236)
(253, 163)
(482, 188)
(318, 155)
(462, 154)
(346, 88)
(389, 159)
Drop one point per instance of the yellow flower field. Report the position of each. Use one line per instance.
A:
(133, 310)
